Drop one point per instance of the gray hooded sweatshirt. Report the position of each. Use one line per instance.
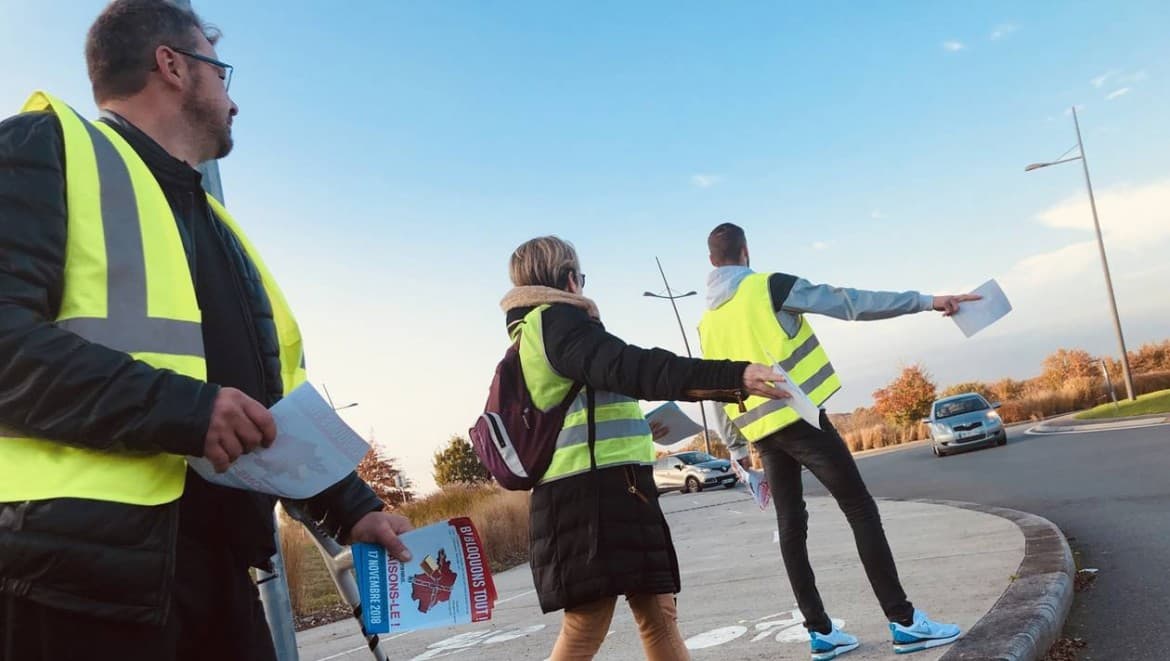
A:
(803, 298)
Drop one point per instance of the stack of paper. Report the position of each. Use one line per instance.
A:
(314, 449)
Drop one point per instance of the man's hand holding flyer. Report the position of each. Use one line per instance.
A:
(757, 484)
(447, 582)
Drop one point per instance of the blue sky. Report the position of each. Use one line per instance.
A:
(390, 155)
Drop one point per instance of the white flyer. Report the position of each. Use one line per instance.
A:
(313, 450)
(974, 316)
(797, 398)
(681, 427)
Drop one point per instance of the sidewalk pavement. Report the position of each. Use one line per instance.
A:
(736, 604)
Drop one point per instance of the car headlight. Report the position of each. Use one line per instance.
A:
(993, 416)
(941, 429)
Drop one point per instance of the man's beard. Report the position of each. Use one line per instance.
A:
(207, 122)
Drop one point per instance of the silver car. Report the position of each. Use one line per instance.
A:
(692, 471)
(962, 422)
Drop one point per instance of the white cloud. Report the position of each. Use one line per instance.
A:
(705, 180)
(877, 215)
(1003, 30)
(820, 245)
(1068, 111)
(1120, 77)
(953, 46)
(1116, 93)
(1131, 216)
(1100, 81)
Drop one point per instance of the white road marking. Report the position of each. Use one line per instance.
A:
(715, 637)
(522, 594)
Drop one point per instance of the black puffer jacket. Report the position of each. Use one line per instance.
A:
(590, 537)
(109, 559)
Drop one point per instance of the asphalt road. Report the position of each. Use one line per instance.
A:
(1109, 492)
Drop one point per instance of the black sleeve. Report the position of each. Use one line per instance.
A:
(339, 507)
(579, 348)
(779, 286)
(53, 383)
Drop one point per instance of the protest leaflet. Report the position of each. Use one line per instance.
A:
(447, 581)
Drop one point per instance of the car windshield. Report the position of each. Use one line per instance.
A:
(959, 406)
(692, 458)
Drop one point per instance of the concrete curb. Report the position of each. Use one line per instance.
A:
(1028, 618)
(1067, 423)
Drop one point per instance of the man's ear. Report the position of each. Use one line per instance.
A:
(166, 63)
(713, 262)
(745, 258)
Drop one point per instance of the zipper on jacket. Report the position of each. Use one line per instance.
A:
(632, 486)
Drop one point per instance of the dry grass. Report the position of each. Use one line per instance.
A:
(500, 516)
(309, 585)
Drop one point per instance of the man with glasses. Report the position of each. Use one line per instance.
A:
(137, 327)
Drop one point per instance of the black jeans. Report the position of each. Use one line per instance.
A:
(215, 615)
(823, 452)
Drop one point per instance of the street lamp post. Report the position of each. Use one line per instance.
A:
(1129, 390)
(672, 297)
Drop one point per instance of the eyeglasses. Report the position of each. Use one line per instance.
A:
(581, 279)
(226, 68)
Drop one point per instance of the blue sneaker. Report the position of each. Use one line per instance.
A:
(922, 635)
(831, 645)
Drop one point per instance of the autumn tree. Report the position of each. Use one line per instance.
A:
(457, 464)
(1063, 365)
(971, 386)
(698, 444)
(379, 472)
(1150, 357)
(908, 398)
(1006, 390)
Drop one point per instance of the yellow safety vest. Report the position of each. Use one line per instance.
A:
(746, 328)
(127, 286)
(623, 436)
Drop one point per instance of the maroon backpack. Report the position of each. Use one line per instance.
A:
(513, 438)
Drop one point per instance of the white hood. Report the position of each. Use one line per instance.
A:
(722, 283)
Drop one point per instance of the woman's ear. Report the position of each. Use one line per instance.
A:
(574, 285)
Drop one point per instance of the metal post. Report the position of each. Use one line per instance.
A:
(339, 561)
(1125, 373)
(1109, 384)
(278, 603)
(687, 345)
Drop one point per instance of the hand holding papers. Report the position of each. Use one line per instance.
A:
(756, 482)
(313, 450)
(974, 316)
(679, 427)
(447, 581)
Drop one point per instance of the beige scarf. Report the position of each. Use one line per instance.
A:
(532, 295)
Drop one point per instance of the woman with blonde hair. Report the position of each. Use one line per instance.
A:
(597, 531)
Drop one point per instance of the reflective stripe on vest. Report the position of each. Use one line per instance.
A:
(745, 328)
(623, 436)
(127, 286)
